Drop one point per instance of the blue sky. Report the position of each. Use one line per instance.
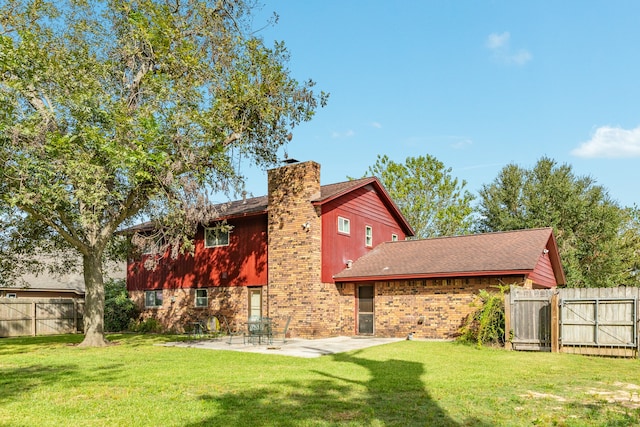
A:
(477, 84)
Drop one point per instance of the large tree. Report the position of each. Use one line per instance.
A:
(117, 110)
(597, 239)
(434, 202)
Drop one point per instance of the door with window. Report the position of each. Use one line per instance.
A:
(255, 303)
(365, 301)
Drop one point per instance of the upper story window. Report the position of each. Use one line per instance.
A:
(152, 299)
(202, 298)
(368, 235)
(216, 236)
(344, 226)
(394, 237)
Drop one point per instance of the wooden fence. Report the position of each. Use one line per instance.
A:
(42, 316)
(595, 321)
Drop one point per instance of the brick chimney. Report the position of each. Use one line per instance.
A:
(294, 247)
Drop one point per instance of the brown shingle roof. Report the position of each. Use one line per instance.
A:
(332, 191)
(513, 251)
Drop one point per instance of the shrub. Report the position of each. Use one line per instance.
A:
(486, 324)
(119, 310)
(146, 326)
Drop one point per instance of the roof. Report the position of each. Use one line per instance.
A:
(259, 205)
(68, 282)
(511, 252)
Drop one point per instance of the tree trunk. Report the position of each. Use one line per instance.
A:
(94, 302)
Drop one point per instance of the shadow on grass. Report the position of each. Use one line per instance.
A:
(21, 345)
(393, 395)
(17, 382)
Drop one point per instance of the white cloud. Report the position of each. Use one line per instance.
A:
(611, 142)
(500, 46)
(376, 125)
(498, 41)
(346, 134)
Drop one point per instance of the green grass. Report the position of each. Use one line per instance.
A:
(47, 381)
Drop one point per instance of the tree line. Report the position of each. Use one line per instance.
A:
(598, 240)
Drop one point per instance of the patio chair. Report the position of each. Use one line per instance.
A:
(211, 327)
(281, 332)
(231, 329)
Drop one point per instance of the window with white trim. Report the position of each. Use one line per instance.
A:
(12, 295)
(216, 236)
(344, 225)
(202, 298)
(394, 237)
(368, 235)
(152, 299)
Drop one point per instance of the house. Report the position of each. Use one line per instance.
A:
(322, 256)
(274, 255)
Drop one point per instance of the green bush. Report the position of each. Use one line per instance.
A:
(119, 310)
(486, 324)
(146, 326)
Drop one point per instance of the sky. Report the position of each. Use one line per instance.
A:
(476, 84)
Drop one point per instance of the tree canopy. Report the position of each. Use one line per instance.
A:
(598, 240)
(434, 202)
(116, 110)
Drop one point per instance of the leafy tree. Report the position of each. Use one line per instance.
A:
(598, 240)
(112, 111)
(434, 203)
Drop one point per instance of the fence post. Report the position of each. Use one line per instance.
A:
(555, 324)
(33, 319)
(507, 322)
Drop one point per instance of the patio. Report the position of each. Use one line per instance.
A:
(292, 347)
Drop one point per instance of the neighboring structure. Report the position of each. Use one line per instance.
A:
(306, 251)
(56, 285)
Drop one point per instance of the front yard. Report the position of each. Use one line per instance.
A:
(47, 381)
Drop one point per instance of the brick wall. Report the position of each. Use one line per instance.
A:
(430, 308)
(178, 309)
(294, 254)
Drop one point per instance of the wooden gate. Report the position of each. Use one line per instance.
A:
(599, 321)
(594, 321)
(529, 319)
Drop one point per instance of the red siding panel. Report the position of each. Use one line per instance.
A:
(242, 263)
(362, 208)
(542, 274)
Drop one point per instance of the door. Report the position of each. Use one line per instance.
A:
(365, 310)
(255, 303)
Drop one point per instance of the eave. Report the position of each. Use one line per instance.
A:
(384, 278)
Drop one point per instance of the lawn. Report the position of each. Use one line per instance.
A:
(47, 381)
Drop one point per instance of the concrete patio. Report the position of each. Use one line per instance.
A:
(292, 347)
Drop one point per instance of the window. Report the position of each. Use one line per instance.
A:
(216, 236)
(368, 235)
(12, 296)
(343, 225)
(202, 298)
(152, 298)
(394, 237)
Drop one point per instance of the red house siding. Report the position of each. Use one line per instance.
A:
(242, 263)
(362, 207)
(543, 275)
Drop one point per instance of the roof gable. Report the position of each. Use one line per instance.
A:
(332, 192)
(513, 252)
